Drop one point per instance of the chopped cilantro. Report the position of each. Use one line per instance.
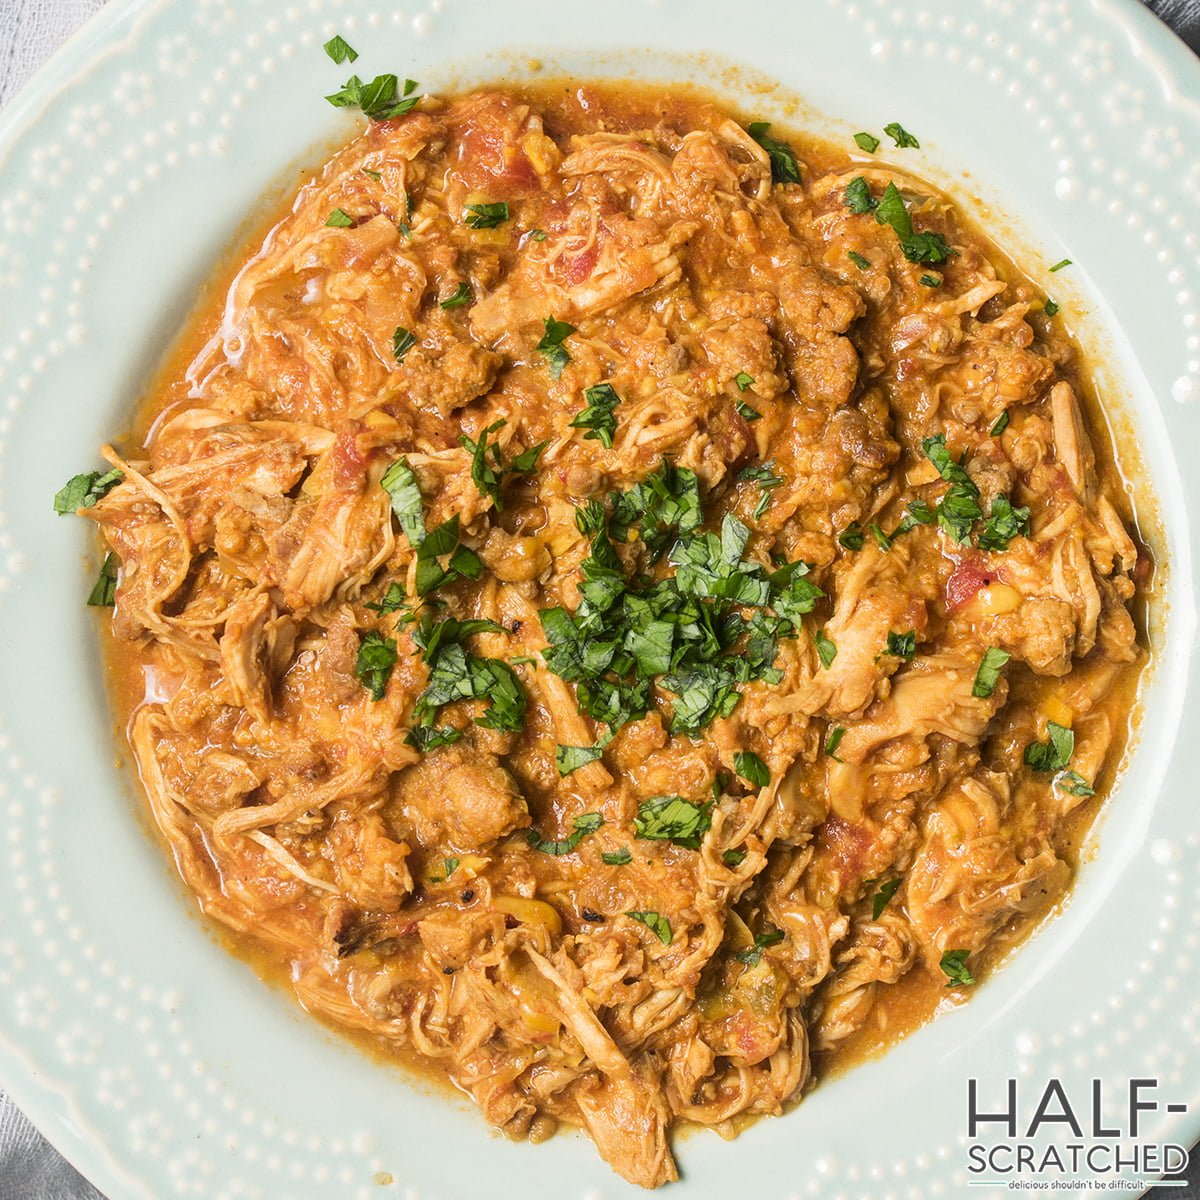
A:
(340, 50)
(379, 100)
(1073, 784)
(673, 819)
(339, 219)
(461, 296)
(1058, 266)
(751, 768)
(903, 139)
(988, 674)
(752, 956)
(658, 925)
(1050, 308)
(954, 964)
(403, 340)
(1004, 523)
(883, 896)
(1000, 424)
(104, 590)
(599, 418)
(902, 645)
(852, 536)
(784, 168)
(857, 259)
(551, 345)
(486, 216)
(866, 141)
(373, 666)
(1055, 752)
(858, 196)
(826, 650)
(584, 824)
(489, 471)
(833, 741)
(617, 858)
(85, 491)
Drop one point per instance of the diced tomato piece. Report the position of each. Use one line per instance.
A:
(965, 580)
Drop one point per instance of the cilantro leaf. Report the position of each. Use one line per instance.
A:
(752, 956)
(833, 741)
(1003, 524)
(1055, 752)
(673, 819)
(1073, 784)
(488, 471)
(373, 666)
(617, 858)
(866, 141)
(903, 139)
(852, 536)
(571, 758)
(1000, 425)
(339, 219)
(104, 590)
(599, 418)
(486, 216)
(393, 600)
(551, 345)
(379, 100)
(340, 50)
(85, 491)
(751, 768)
(584, 824)
(784, 168)
(658, 925)
(401, 486)
(858, 197)
(857, 259)
(882, 896)
(954, 964)
(988, 675)
(826, 650)
(902, 645)
(460, 297)
(403, 340)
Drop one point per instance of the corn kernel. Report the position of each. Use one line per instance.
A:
(1056, 709)
(997, 598)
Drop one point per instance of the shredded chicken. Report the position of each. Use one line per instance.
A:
(567, 362)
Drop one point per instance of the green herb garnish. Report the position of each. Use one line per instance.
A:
(461, 296)
(903, 139)
(866, 141)
(340, 50)
(584, 824)
(104, 590)
(486, 216)
(751, 768)
(85, 491)
(599, 418)
(1055, 752)
(784, 168)
(373, 666)
(752, 956)
(988, 675)
(551, 345)
(380, 100)
(658, 925)
(954, 963)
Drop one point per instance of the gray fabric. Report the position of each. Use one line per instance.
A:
(29, 31)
